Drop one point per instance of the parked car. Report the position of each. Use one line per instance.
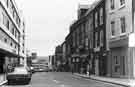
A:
(32, 69)
(20, 74)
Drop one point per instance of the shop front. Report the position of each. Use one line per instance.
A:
(84, 64)
(100, 63)
(6, 59)
(76, 63)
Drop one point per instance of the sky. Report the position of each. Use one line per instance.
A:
(47, 22)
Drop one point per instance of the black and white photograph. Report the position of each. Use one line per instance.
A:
(67, 43)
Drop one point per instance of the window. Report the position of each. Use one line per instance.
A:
(101, 16)
(123, 24)
(96, 39)
(12, 31)
(4, 19)
(112, 4)
(96, 19)
(122, 2)
(6, 2)
(7, 24)
(112, 28)
(15, 33)
(101, 38)
(116, 60)
(22, 51)
(74, 39)
(123, 64)
(5, 40)
(117, 64)
(11, 44)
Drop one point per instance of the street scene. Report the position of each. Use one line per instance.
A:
(62, 79)
(67, 43)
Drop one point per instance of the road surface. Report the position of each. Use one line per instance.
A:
(62, 79)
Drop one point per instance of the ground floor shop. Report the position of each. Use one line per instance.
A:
(118, 62)
(82, 64)
(100, 64)
(7, 62)
(121, 62)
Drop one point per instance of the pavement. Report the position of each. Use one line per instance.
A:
(62, 79)
(119, 81)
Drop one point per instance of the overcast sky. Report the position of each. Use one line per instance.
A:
(47, 22)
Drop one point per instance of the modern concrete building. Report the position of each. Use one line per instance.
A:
(12, 26)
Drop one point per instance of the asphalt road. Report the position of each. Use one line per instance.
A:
(61, 79)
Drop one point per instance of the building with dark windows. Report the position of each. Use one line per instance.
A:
(68, 42)
(81, 40)
(12, 37)
(99, 35)
(87, 48)
(58, 57)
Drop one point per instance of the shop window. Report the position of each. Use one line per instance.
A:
(123, 64)
(116, 64)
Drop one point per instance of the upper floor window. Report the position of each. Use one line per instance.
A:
(96, 39)
(12, 31)
(11, 44)
(96, 19)
(113, 28)
(101, 16)
(123, 24)
(122, 2)
(112, 4)
(6, 2)
(101, 38)
(5, 40)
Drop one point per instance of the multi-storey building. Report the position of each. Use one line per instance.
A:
(121, 38)
(68, 42)
(79, 51)
(64, 52)
(10, 34)
(58, 56)
(99, 34)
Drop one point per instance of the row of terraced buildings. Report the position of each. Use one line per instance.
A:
(102, 40)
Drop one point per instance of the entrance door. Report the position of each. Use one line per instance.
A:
(116, 66)
(103, 65)
(2, 62)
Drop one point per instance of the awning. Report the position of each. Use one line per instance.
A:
(7, 53)
(75, 55)
(84, 55)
